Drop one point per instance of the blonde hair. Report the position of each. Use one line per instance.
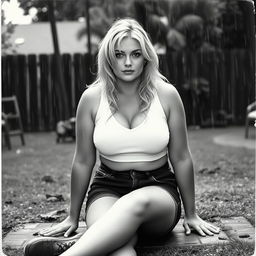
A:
(106, 57)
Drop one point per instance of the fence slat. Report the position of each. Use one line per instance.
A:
(79, 76)
(45, 98)
(67, 66)
(33, 92)
(21, 89)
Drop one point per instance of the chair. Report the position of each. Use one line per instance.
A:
(250, 116)
(11, 120)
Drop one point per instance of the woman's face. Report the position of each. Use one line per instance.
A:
(129, 61)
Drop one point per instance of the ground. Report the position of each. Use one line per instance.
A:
(224, 177)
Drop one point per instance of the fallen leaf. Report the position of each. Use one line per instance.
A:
(244, 235)
(53, 215)
(222, 238)
(209, 171)
(48, 179)
(55, 198)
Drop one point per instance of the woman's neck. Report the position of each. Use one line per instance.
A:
(128, 89)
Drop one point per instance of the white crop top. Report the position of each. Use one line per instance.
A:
(146, 142)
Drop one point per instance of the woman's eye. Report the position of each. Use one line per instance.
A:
(119, 55)
(137, 54)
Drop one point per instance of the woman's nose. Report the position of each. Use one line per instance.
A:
(128, 61)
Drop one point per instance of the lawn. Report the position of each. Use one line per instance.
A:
(224, 179)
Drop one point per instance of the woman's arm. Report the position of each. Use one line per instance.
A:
(181, 160)
(179, 153)
(82, 165)
(84, 157)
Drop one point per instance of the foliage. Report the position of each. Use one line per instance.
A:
(64, 10)
(7, 31)
(233, 25)
(193, 23)
(174, 24)
(102, 14)
(199, 90)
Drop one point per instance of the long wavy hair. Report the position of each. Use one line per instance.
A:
(106, 57)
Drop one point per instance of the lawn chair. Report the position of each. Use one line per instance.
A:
(11, 120)
(250, 117)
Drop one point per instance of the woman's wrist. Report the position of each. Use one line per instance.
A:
(74, 217)
(190, 212)
(191, 215)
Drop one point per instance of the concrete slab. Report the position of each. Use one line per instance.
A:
(233, 228)
(234, 137)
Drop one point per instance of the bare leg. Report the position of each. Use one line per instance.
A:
(127, 249)
(96, 211)
(98, 208)
(120, 223)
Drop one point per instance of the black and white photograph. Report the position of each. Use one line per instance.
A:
(128, 127)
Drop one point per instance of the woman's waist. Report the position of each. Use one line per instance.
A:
(136, 166)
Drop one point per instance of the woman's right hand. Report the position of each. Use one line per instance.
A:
(66, 227)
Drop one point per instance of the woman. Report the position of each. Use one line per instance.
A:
(136, 121)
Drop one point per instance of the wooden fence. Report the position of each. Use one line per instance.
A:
(229, 76)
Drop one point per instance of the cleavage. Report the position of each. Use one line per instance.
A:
(129, 115)
(130, 122)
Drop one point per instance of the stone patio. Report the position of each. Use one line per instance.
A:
(232, 228)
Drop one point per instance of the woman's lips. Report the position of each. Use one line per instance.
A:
(128, 71)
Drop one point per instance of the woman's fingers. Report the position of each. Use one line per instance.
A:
(199, 230)
(213, 229)
(66, 227)
(187, 229)
(202, 228)
(69, 232)
(206, 230)
(56, 234)
(45, 231)
(53, 231)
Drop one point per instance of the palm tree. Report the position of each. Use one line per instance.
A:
(7, 30)
(102, 13)
(193, 24)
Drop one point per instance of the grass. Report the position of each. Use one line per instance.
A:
(224, 178)
(234, 248)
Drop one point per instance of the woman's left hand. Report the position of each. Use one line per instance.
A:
(202, 227)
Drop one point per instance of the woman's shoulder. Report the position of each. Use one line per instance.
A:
(166, 91)
(90, 98)
(91, 94)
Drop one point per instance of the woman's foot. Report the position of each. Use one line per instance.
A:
(49, 246)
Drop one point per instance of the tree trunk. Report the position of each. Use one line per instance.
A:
(60, 90)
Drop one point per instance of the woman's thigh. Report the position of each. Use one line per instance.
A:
(162, 211)
(98, 208)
